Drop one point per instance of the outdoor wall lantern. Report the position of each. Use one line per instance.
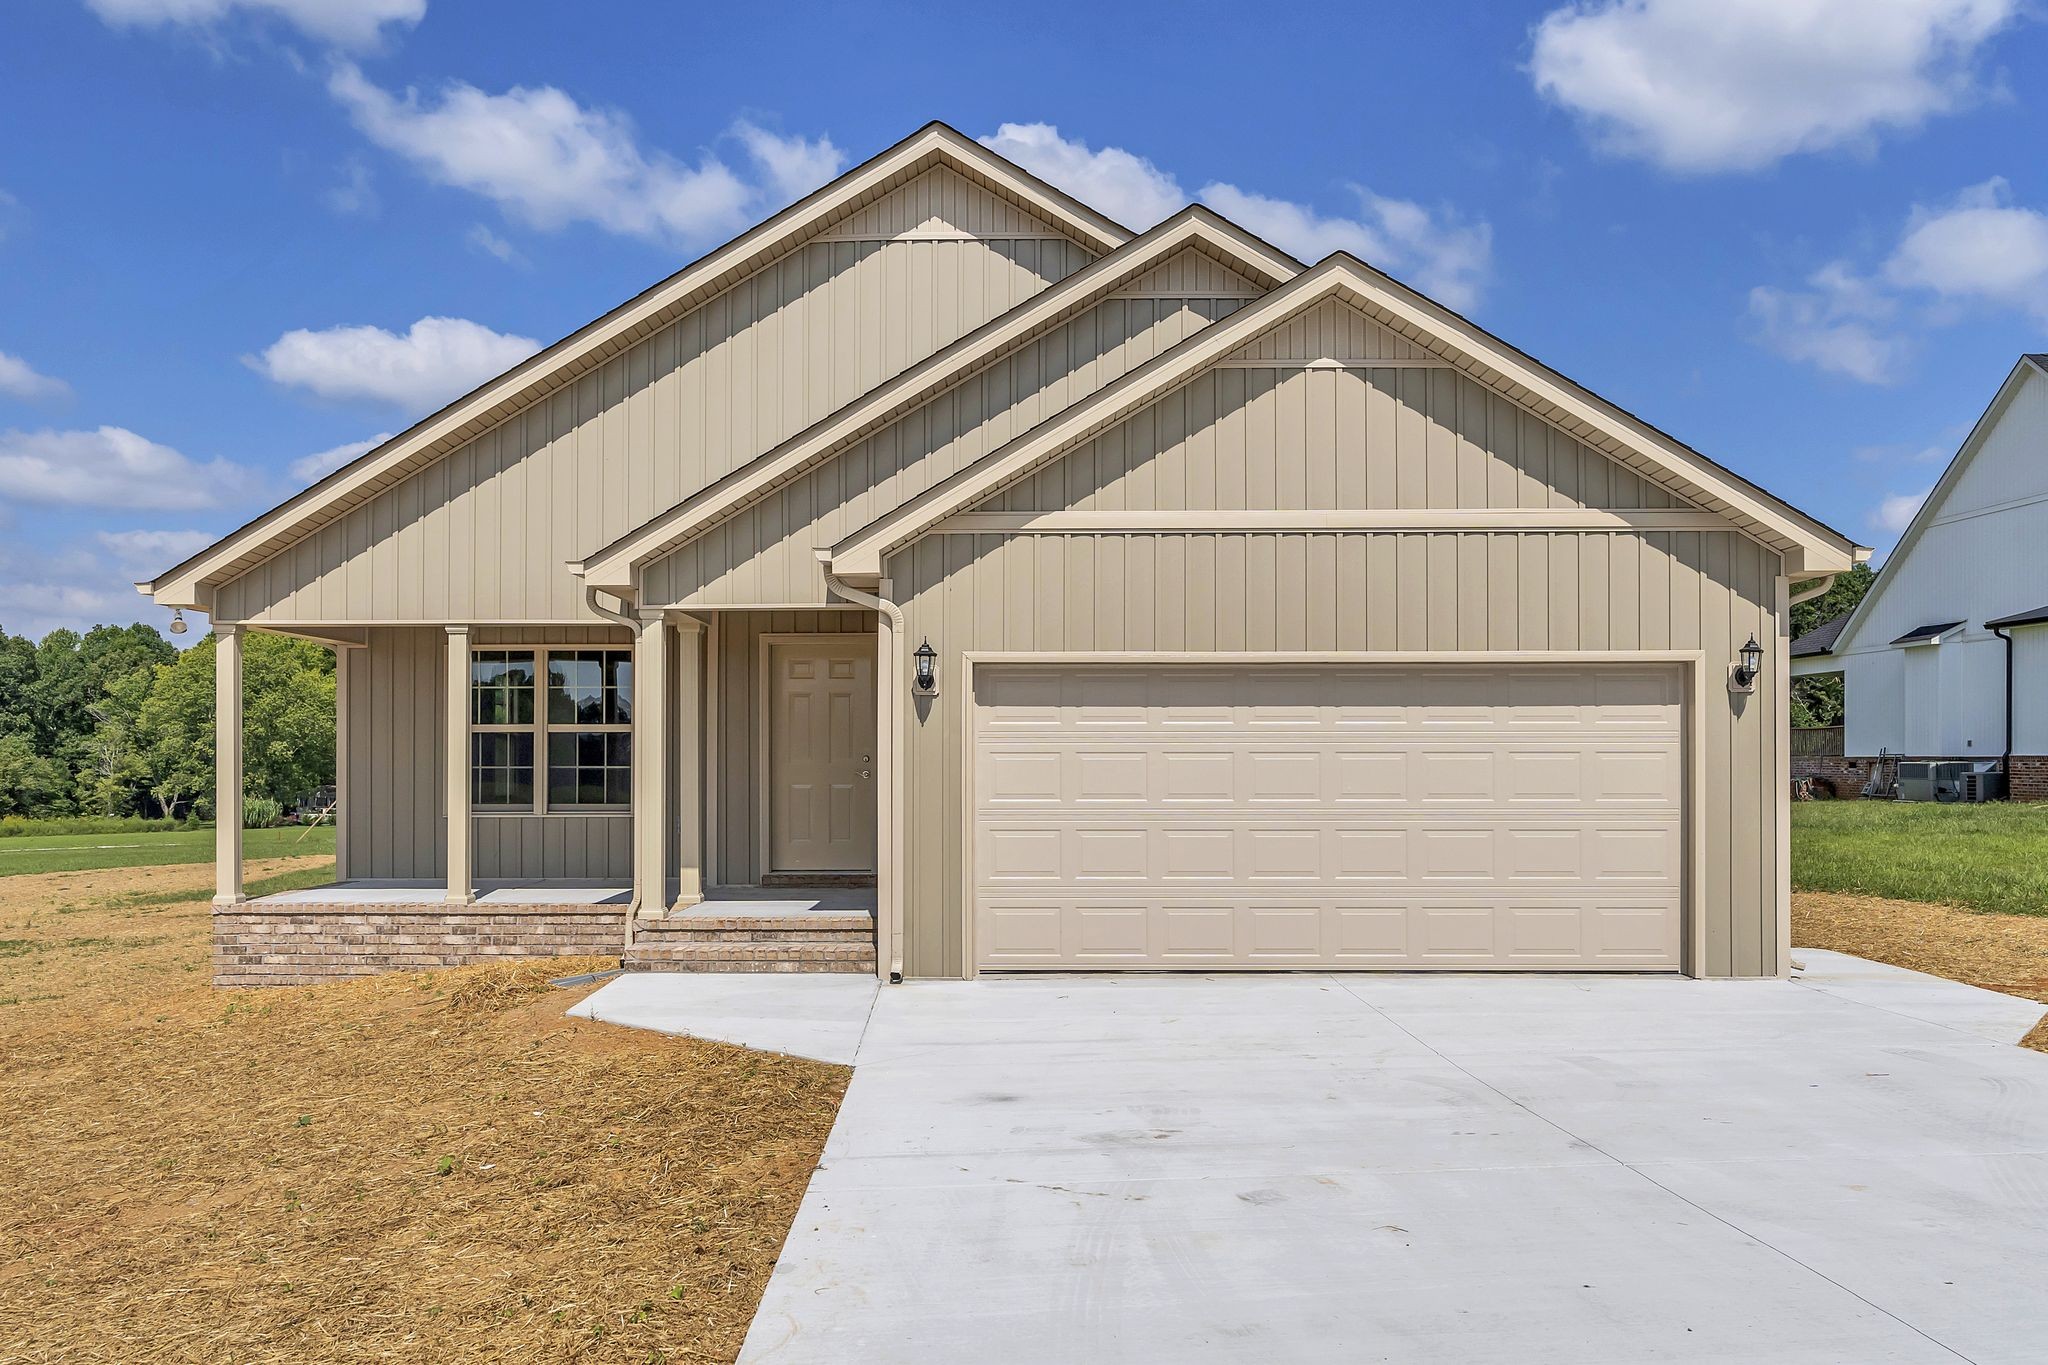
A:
(925, 681)
(1742, 676)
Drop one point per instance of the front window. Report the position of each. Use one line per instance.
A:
(582, 728)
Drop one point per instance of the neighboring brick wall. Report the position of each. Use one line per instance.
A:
(300, 945)
(1848, 774)
(2029, 779)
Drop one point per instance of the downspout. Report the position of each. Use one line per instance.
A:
(890, 870)
(590, 600)
(1820, 586)
(2005, 761)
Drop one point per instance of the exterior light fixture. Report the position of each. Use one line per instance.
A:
(925, 681)
(178, 626)
(1743, 675)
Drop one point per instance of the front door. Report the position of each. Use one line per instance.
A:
(821, 753)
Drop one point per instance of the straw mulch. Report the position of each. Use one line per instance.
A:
(428, 1167)
(2006, 953)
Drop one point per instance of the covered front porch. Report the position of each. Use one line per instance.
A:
(663, 794)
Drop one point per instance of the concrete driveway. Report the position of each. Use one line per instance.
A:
(1853, 1168)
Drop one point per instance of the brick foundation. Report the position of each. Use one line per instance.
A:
(810, 942)
(304, 944)
(2029, 776)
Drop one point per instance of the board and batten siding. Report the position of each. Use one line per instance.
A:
(394, 815)
(765, 552)
(1676, 590)
(1262, 432)
(485, 533)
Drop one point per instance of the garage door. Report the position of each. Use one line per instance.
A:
(1457, 816)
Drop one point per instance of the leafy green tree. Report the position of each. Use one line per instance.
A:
(30, 784)
(17, 675)
(1818, 700)
(287, 723)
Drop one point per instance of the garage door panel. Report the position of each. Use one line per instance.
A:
(1408, 817)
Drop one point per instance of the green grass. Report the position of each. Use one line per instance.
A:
(83, 852)
(1991, 857)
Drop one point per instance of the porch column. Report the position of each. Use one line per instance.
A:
(651, 816)
(227, 765)
(688, 817)
(461, 883)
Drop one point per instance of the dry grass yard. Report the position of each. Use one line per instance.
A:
(431, 1167)
(1999, 952)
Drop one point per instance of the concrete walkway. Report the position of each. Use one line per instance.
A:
(1851, 1168)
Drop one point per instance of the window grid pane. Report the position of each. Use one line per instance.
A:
(590, 687)
(589, 768)
(501, 768)
(501, 687)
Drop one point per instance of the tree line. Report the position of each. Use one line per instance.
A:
(117, 722)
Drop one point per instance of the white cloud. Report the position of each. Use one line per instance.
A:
(315, 467)
(1896, 512)
(19, 379)
(1837, 324)
(1978, 249)
(149, 552)
(1123, 185)
(793, 166)
(437, 359)
(356, 195)
(549, 161)
(1446, 257)
(491, 244)
(1981, 248)
(1721, 85)
(110, 467)
(345, 23)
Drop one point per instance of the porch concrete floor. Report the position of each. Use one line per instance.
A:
(1848, 1166)
(377, 891)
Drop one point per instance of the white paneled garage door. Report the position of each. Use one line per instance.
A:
(1287, 815)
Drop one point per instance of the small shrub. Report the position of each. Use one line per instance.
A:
(261, 812)
(21, 826)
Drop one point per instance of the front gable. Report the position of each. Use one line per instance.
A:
(1972, 551)
(484, 531)
(1331, 346)
(1329, 411)
(765, 551)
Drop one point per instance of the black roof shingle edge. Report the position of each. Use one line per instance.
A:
(2037, 616)
(1933, 632)
(1821, 639)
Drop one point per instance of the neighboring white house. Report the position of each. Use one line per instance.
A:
(1951, 639)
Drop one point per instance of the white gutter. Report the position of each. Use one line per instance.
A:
(1825, 582)
(889, 810)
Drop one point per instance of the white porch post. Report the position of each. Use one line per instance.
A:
(227, 765)
(688, 817)
(461, 884)
(651, 816)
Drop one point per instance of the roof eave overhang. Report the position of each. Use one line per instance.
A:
(186, 584)
(1807, 546)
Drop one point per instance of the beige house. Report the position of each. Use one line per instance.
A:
(940, 579)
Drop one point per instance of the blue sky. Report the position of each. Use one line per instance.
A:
(239, 238)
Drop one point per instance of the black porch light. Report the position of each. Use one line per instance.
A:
(1743, 678)
(926, 679)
